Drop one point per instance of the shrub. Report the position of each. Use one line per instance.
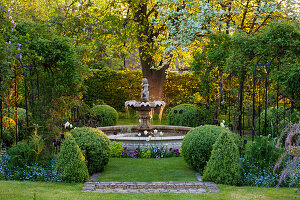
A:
(95, 146)
(185, 115)
(116, 149)
(71, 162)
(104, 115)
(9, 127)
(197, 145)
(284, 117)
(26, 152)
(223, 166)
(21, 116)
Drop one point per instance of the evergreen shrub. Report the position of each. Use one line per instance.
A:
(94, 145)
(198, 144)
(116, 149)
(185, 115)
(223, 166)
(71, 162)
(104, 115)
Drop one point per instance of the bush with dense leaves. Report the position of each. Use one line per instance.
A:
(104, 115)
(94, 145)
(116, 149)
(275, 116)
(71, 162)
(223, 166)
(185, 115)
(198, 144)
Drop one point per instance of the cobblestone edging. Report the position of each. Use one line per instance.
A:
(151, 187)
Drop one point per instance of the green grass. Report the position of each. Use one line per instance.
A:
(16, 190)
(147, 170)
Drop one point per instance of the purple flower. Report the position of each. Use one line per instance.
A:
(201, 124)
(197, 115)
(54, 140)
(14, 24)
(18, 44)
(245, 141)
(11, 30)
(214, 122)
(170, 149)
(19, 56)
(102, 115)
(10, 17)
(122, 153)
(62, 136)
(98, 117)
(175, 111)
(8, 10)
(188, 117)
(180, 111)
(193, 117)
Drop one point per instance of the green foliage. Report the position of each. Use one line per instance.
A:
(263, 152)
(71, 162)
(223, 166)
(146, 153)
(26, 152)
(275, 116)
(185, 115)
(112, 87)
(116, 149)
(19, 154)
(282, 40)
(94, 145)
(105, 115)
(198, 144)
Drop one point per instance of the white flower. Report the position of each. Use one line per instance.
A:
(161, 133)
(150, 137)
(223, 121)
(155, 131)
(67, 124)
(221, 124)
(145, 132)
(71, 126)
(140, 120)
(147, 139)
(139, 134)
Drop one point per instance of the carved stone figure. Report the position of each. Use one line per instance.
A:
(145, 92)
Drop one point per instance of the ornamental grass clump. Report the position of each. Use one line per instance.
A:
(104, 115)
(223, 166)
(94, 145)
(71, 162)
(185, 115)
(198, 144)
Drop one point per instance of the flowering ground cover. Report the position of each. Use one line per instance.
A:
(147, 170)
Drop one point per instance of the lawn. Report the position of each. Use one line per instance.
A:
(147, 170)
(16, 190)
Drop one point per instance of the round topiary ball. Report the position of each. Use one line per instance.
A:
(94, 145)
(197, 145)
(104, 115)
(223, 166)
(71, 162)
(185, 115)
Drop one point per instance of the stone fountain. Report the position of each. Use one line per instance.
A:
(144, 108)
(133, 136)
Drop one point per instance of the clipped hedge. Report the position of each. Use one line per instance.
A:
(9, 131)
(71, 162)
(112, 87)
(104, 115)
(94, 145)
(223, 166)
(185, 115)
(198, 144)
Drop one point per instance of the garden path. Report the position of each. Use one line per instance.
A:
(150, 187)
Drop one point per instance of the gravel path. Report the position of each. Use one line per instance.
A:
(150, 187)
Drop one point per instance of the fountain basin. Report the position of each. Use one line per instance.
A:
(128, 135)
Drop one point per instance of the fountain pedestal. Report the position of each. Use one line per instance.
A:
(144, 115)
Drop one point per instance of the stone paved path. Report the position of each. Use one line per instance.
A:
(150, 187)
